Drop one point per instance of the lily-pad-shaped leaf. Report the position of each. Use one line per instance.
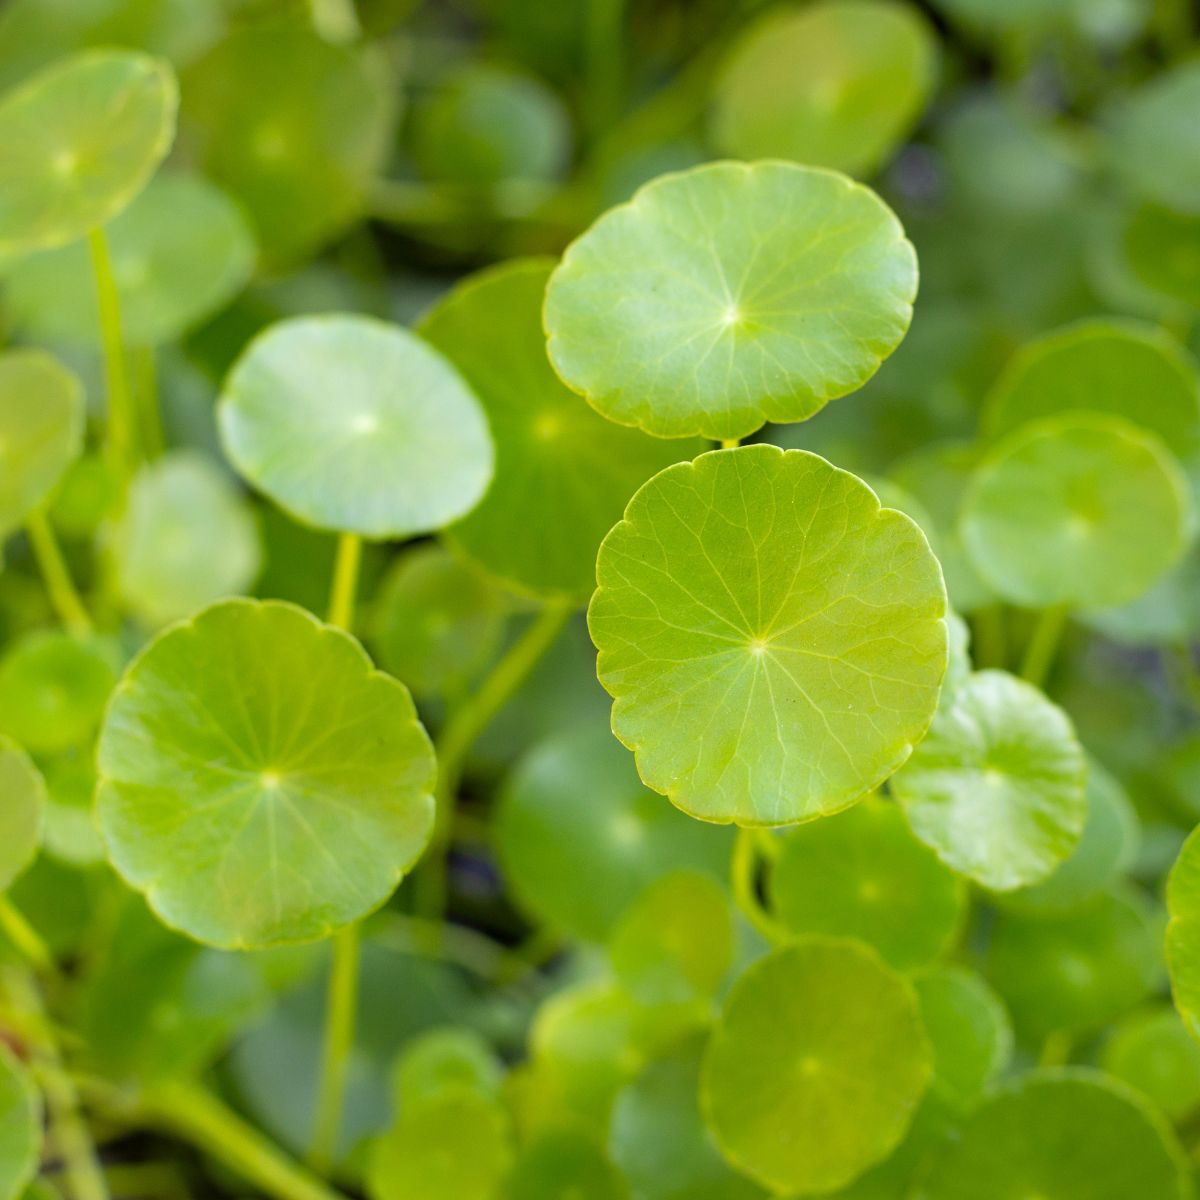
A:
(443, 1059)
(815, 1067)
(659, 1139)
(580, 838)
(567, 1161)
(437, 621)
(1122, 368)
(1158, 246)
(862, 874)
(260, 782)
(53, 688)
(294, 126)
(187, 537)
(1062, 1133)
(997, 786)
(1085, 511)
(730, 295)
(1153, 1052)
(1183, 932)
(773, 640)
(179, 252)
(81, 139)
(352, 424)
(1076, 972)
(833, 84)
(22, 811)
(563, 473)
(20, 1126)
(41, 430)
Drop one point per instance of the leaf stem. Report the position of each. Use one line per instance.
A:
(744, 881)
(146, 365)
(730, 443)
(458, 735)
(194, 1114)
(64, 597)
(121, 415)
(25, 939)
(989, 642)
(1043, 644)
(604, 69)
(345, 581)
(340, 1012)
(1056, 1050)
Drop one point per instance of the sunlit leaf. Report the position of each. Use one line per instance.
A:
(730, 295)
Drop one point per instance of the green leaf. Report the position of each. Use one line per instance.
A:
(444, 1059)
(565, 1162)
(576, 798)
(1152, 1052)
(862, 874)
(773, 640)
(1122, 368)
(1085, 511)
(1062, 1133)
(81, 140)
(730, 295)
(186, 537)
(53, 688)
(70, 834)
(1159, 248)
(180, 251)
(351, 424)
(833, 84)
(20, 1126)
(295, 127)
(1183, 932)
(41, 430)
(563, 473)
(997, 786)
(260, 782)
(1166, 615)
(438, 621)
(22, 811)
(1076, 972)
(815, 1067)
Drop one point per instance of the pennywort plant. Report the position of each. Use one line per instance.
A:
(618, 717)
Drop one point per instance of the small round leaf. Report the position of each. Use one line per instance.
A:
(355, 425)
(260, 782)
(1153, 1052)
(730, 295)
(23, 803)
(564, 1162)
(773, 640)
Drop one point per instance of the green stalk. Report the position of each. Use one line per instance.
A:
(64, 597)
(989, 641)
(744, 881)
(1056, 1050)
(341, 1004)
(605, 57)
(730, 443)
(121, 414)
(150, 422)
(1043, 644)
(25, 939)
(185, 1109)
(458, 736)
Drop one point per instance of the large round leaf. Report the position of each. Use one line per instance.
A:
(997, 786)
(20, 1126)
(773, 640)
(179, 252)
(815, 1067)
(352, 424)
(1183, 932)
(1062, 1133)
(41, 430)
(832, 84)
(1085, 511)
(563, 473)
(260, 782)
(730, 295)
(81, 139)
(1122, 368)
(22, 811)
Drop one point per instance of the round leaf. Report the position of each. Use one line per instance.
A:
(20, 1126)
(1086, 511)
(81, 139)
(815, 1067)
(833, 84)
(862, 874)
(997, 786)
(1152, 1052)
(22, 809)
(1183, 932)
(1121, 368)
(1061, 1133)
(441, 1060)
(260, 782)
(351, 424)
(773, 640)
(563, 473)
(41, 430)
(186, 538)
(730, 295)
(564, 1162)
(179, 252)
